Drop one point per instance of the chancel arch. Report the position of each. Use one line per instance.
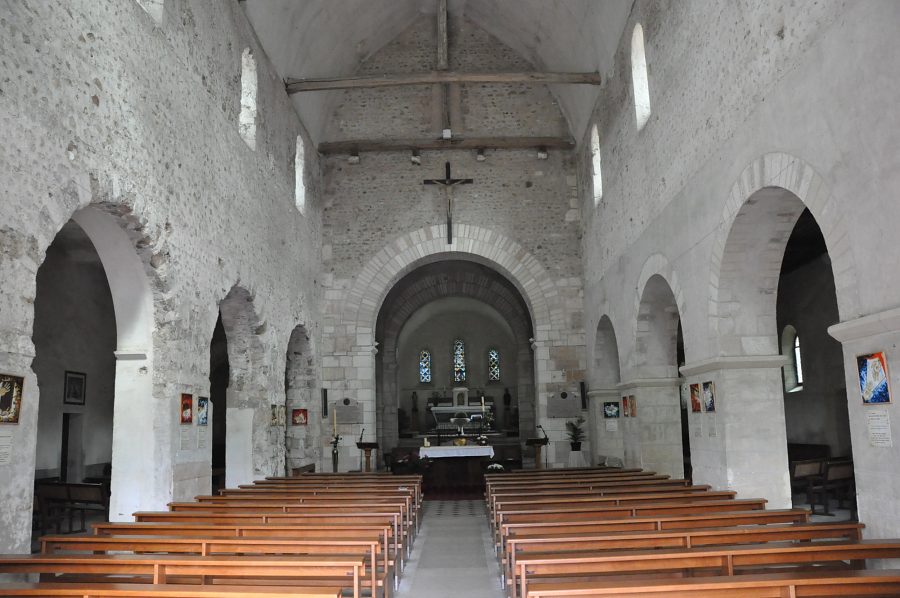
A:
(435, 306)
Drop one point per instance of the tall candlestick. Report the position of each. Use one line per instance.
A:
(334, 424)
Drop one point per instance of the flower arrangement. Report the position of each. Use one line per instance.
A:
(496, 467)
(481, 439)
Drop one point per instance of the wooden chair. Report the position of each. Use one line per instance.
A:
(836, 481)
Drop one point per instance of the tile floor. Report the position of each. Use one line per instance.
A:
(453, 555)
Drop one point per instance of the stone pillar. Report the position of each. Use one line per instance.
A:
(604, 443)
(742, 445)
(658, 426)
(877, 468)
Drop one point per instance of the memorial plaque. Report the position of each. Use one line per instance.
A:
(568, 407)
(348, 414)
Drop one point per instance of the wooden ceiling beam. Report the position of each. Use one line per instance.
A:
(458, 143)
(437, 76)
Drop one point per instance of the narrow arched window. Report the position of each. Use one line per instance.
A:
(299, 182)
(425, 366)
(596, 164)
(493, 365)
(459, 361)
(247, 117)
(793, 369)
(639, 78)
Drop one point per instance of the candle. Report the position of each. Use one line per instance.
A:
(334, 420)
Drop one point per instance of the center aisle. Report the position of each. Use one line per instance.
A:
(453, 555)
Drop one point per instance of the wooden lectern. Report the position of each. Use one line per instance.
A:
(538, 444)
(367, 448)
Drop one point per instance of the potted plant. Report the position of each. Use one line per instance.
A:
(575, 432)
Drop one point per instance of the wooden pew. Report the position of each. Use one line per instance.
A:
(307, 544)
(336, 570)
(691, 538)
(135, 590)
(818, 583)
(653, 523)
(724, 559)
(360, 518)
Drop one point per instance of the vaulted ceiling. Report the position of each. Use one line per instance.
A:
(320, 38)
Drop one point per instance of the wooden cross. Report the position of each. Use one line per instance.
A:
(448, 183)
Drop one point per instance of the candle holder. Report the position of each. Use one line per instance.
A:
(335, 453)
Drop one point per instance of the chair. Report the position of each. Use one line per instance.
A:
(53, 504)
(804, 472)
(836, 481)
(87, 497)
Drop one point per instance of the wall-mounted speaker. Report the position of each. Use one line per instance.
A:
(324, 403)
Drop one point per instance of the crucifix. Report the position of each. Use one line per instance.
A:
(448, 183)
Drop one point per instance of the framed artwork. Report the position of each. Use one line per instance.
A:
(187, 408)
(626, 407)
(611, 409)
(279, 414)
(873, 378)
(74, 388)
(632, 405)
(10, 398)
(709, 397)
(202, 411)
(695, 399)
(299, 417)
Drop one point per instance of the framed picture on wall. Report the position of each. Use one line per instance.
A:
(187, 408)
(873, 378)
(709, 397)
(75, 388)
(202, 411)
(299, 417)
(10, 398)
(695, 399)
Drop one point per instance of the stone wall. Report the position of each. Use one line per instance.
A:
(103, 107)
(757, 113)
(520, 216)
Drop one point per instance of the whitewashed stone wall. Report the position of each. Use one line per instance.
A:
(794, 97)
(103, 106)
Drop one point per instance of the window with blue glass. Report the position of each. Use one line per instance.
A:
(459, 361)
(425, 366)
(493, 365)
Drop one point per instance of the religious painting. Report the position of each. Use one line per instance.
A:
(626, 407)
(709, 397)
(74, 388)
(611, 409)
(187, 408)
(299, 417)
(10, 398)
(695, 399)
(202, 411)
(873, 378)
(632, 405)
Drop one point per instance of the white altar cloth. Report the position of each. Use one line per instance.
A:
(439, 452)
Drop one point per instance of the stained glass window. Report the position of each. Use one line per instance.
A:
(459, 361)
(493, 365)
(425, 366)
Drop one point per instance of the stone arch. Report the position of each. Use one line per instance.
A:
(605, 370)
(757, 219)
(375, 279)
(302, 438)
(246, 449)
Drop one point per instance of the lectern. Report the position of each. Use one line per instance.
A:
(538, 444)
(367, 447)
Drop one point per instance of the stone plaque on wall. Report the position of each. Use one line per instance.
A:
(568, 407)
(348, 414)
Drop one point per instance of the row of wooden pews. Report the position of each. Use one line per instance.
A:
(628, 532)
(310, 536)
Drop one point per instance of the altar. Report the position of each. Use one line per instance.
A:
(455, 470)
